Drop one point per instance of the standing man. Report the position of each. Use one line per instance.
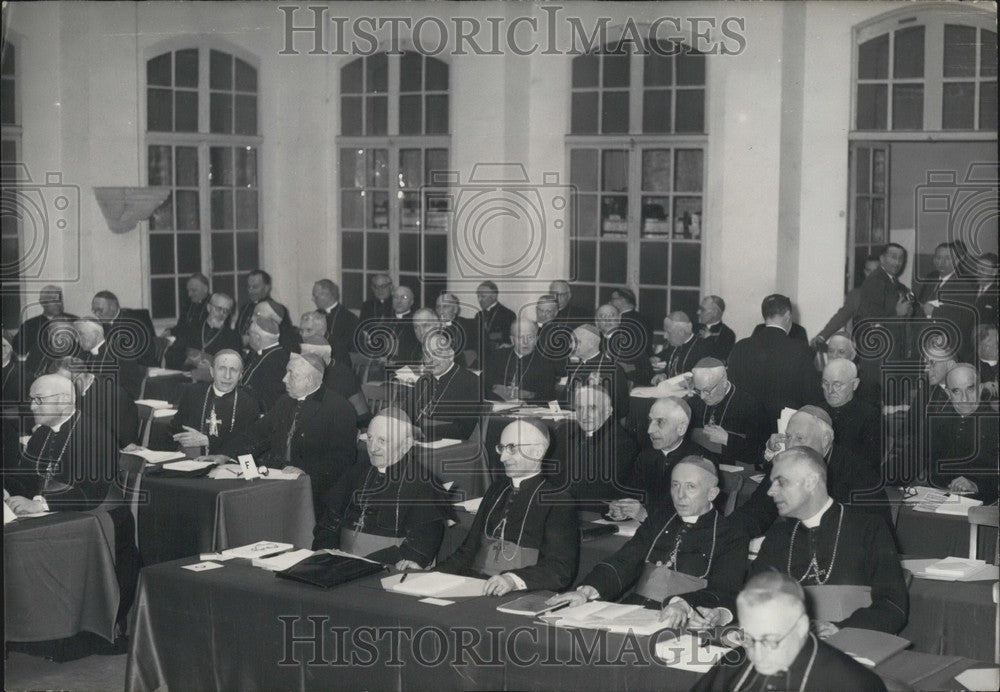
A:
(493, 319)
(341, 324)
(717, 337)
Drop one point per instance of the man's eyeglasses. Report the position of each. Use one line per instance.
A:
(40, 399)
(509, 448)
(833, 386)
(769, 643)
(707, 391)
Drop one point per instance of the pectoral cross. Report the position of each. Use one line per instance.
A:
(814, 568)
(213, 424)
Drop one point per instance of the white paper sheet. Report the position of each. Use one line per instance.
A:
(152, 403)
(156, 457)
(187, 465)
(979, 679)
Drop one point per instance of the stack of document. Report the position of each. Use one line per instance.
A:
(187, 465)
(955, 567)
(258, 550)
(613, 617)
(434, 584)
(153, 456)
(155, 404)
(282, 560)
(938, 502)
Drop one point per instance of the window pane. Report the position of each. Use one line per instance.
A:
(246, 166)
(687, 217)
(160, 166)
(614, 215)
(161, 253)
(685, 301)
(186, 68)
(411, 115)
(959, 106)
(157, 70)
(616, 69)
(246, 251)
(246, 210)
(163, 218)
(585, 296)
(220, 172)
(220, 70)
(908, 107)
(409, 252)
(437, 115)
(862, 220)
(246, 114)
(159, 110)
(186, 111)
(188, 218)
(7, 106)
(352, 249)
(653, 304)
(583, 169)
(690, 110)
(246, 76)
(614, 263)
(658, 70)
(354, 287)
(188, 253)
(435, 74)
(862, 169)
(583, 120)
(378, 168)
(221, 113)
(437, 212)
(411, 72)
(656, 170)
(873, 107)
(959, 51)
(656, 110)
(187, 166)
(873, 58)
(878, 220)
(435, 161)
(224, 283)
(163, 298)
(377, 73)
(378, 251)
(222, 209)
(409, 211)
(878, 171)
(614, 176)
(908, 53)
(585, 68)
(988, 106)
(350, 115)
(376, 115)
(585, 216)
(350, 77)
(351, 210)
(689, 170)
(685, 264)
(410, 168)
(690, 68)
(378, 210)
(655, 216)
(988, 54)
(584, 259)
(352, 170)
(222, 252)
(614, 116)
(436, 254)
(653, 263)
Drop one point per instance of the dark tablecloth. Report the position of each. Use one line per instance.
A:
(187, 516)
(941, 535)
(232, 628)
(59, 577)
(952, 618)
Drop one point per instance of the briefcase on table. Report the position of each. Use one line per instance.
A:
(326, 570)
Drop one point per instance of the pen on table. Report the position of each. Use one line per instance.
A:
(405, 575)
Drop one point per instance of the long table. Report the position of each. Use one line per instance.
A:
(941, 535)
(952, 618)
(59, 577)
(180, 517)
(239, 627)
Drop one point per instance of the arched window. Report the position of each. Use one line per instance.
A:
(394, 137)
(203, 139)
(636, 159)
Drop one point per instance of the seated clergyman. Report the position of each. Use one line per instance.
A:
(389, 510)
(781, 652)
(526, 534)
(688, 560)
(844, 557)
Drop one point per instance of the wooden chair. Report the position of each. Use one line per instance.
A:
(146, 416)
(730, 485)
(980, 516)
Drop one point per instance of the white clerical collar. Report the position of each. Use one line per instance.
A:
(447, 324)
(813, 521)
(948, 276)
(401, 315)
(676, 445)
(94, 351)
(490, 307)
(218, 393)
(331, 307)
(8, 361)
(590, 357)
(709, 325)
(694, 519)
(55, 428)
(306, 396)
(689, 339)
(776, 326)
(991, 363)
(516, 482)
(438, 377)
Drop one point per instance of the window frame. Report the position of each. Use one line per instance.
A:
(15, 296)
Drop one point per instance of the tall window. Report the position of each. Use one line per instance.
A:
(870, 172)
(927, 70)
(203, 140)
(10, 149)
(394, 140)
(636, 158)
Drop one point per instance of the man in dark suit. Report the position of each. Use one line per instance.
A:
(259, 290)
(882, 295)
(194, 314)
(717, 336)
(847, 312)
(266, 363)
(776, 370)
(949, 299)
(31, 337)
(311, 429)
(341, 324)
(380, 303)
(493, 319)
(795, 331)
(624, 299)
(129, 331)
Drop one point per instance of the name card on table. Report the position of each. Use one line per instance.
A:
(249, 466)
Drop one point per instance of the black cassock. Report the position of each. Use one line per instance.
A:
(680, 359)
(596, 468)
(533, 516)
(601, 371)
(857, 425)
(864, 554)
(448, 406)
(742, 416)
(533, 372)
(651, 473)
(965, 446)
(263, 374)
(711, 548)
(221, 418)
(317, 434)
(404, 502)
(818, 666)
(105, 401)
